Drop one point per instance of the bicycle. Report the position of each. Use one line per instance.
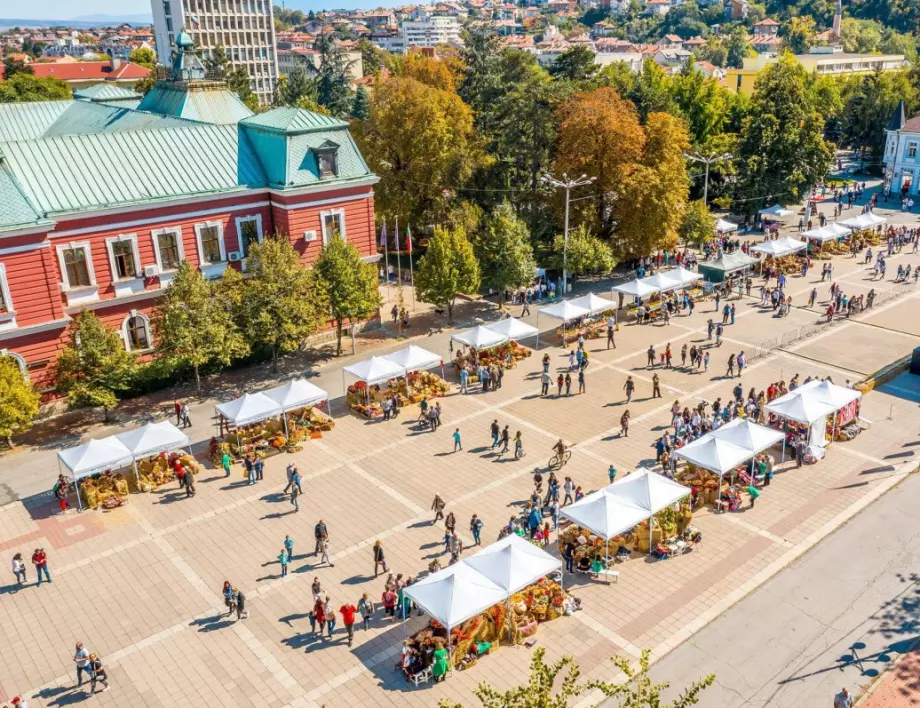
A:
(557, 461)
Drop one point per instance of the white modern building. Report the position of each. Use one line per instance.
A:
(902, 153)
(245, 28)
(430, 31)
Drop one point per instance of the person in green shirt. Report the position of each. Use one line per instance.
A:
(762, 471)
(439, 667)
(752, 491)
(225, 463)
(283, 558)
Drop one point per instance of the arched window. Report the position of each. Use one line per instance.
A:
(136, 330)
(19, 360)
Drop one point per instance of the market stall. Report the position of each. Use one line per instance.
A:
(776, 249)
(636, 289)
(824, 234)
(685, 277)
(716, 455)
(811, 403)
(804, 413)
(726, 266)
(564, 311)
(97, 457)
(776, 212)
(491, 345)
(513, 329)
(724, 227)
(630, 503)
(298, 400)
(480, 337)
(370, 373)
(155, 451)
(869, 220)
(418, 383)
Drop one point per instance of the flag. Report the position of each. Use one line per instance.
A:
(409, 240)
(383, 234)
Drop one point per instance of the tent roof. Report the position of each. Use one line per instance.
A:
(713, 454)
(296, 394)
(826, 233)
(95, 456)
(480, 337)
(838, 228)
(375, 370)
(664, 282)
(455, 594)
(249, 408)
(153, 439)
(775, 210)
(636, 288)
(604, 514)
(864, 221)
(594, 304)
(683, 275)
(414, 358)
(752, 437)
(723, 225)
(512, 328)
(728, 262)
(780, 247)
(827, 392)
(800, 407)
(513, 563)
(565, 310)
(649, 490)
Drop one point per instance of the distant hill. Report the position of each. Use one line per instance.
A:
(83, 22)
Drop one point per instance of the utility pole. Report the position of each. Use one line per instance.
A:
(707, 160)
(568, 185)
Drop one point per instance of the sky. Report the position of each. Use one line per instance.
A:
(67, 9)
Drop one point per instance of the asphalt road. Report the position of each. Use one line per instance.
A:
(834, 618)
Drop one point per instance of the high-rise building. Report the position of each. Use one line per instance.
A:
(244, 28)
(430, 31)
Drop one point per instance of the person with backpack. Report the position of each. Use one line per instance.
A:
(97, 673)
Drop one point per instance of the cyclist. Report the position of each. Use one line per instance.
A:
(560, 448)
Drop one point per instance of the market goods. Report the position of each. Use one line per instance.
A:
(97, 489)
(268, 437)
(157, 471)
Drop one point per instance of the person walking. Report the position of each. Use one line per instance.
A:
(437, 506)
(569, 488)
(330, 617)
(458, 444)
(518, 445)
(97, 673)
(476, 530)
(19, 569)
(506, 439)
(324, 556)
(612, 474)
(732, 319)
(379, 558)
(719, 331)
(295, 492)
(225, 463)
(706, 362)
(496, 432)
(283, 559)
(289, 546)
(624, 424)
(629, 387)
(186, 421)
(753, 493)
(319, 616)
(843, 699)
(581, 381)
(81, 659)
(610, 330)
(177, 407)
(683, 355)
(651, 357)
(366, 608)
(560, 380)
(320, 533)
(731, 366)
(741, 360)
(545, 380)
(656, 386)
(348, 612)
(40, 561)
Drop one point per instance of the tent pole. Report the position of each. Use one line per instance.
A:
(284, 421)
(607, 559)
(783, 459)
(538, 329)
(344, 389)
(450, 663)
(651, 531)
(137, 476)
(510, 623)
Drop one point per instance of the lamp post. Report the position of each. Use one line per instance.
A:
(568, 185)
(707, 160)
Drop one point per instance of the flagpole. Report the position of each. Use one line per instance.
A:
(386, 258)
(398, 262)
(411, 270)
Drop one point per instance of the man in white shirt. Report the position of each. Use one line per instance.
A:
(81, 658)
(843, 699)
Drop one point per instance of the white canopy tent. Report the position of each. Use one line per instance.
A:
(565, 310)
(93, 457)
(827, 392)
(372, 371)
(686, 277)
(838, 228)
(775, 211)
(480, 337)
(638, 288)
(299, 393)
(752, 437)
(801, 407)
(779, 247)
(594, 304)
(830, 232)
(414, 358)
(868, 220)
(249, 408)
(513, 329)
(664, 281)
(723, 226)
(154, 438)
(714, 454)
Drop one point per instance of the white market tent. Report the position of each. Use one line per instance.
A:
(779, 247)
(723, 226)
(750, 436)
(827, 392)
(594, 304)
(513, 563)
(93, 457)
(664, 282)
(801, 407)
(686, 277)
(375, 370)
(299, 393)
(414, 358)
(513, 329)
(249, 408)
(714, 454)
(564, 310)
(838, 228)
(154, 438)
(638, 288)
(480, 337)
(775, 211)
(455, 594)
(864, 221)
(830, 232)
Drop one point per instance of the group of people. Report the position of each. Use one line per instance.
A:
(39, 562)
(578, 362)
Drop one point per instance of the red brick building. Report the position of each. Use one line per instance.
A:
(100, 203)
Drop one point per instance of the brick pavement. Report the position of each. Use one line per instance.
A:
(141, 584)
(899, 687)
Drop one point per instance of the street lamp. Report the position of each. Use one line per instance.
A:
(707, 160)
(568, 185)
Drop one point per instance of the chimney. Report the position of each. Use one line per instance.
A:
(115, 63)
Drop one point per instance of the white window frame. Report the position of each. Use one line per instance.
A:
(23, 366)
(240, 220)
(7, 298)
(322, 223)
(121, 238)
(220, 237)
(154, 236)
(912, 146)
(127, 339)
(63, 248)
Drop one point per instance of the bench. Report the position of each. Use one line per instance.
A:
(615, 574)
(422, 676)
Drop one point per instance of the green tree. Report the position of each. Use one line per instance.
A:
(333, 81)
(18, 400)
(585, 253)
(504, 251)
(371, 57)
(217, 63)
(541, 691)
(481, 75)
(575, 64)
(351, 286)
(700, 101)
(94, 366)
(283, 301)
(738, 48)
(714, 51)
(698, 224)
(295, 86)
(448, 267)
(782, 145)
(651, 91)
(143, 56)
(12, 66)
(192, 327)
(869, 102)
(799, 34)
(361, 106)
(23, 88)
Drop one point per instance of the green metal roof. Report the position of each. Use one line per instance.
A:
(292, 121)
(15, 209)
(302, 167)
(214, 104)
(84, 118)
(106, 93)
(72, 173)
(27, 121)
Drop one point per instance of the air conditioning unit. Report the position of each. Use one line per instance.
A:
(235, 256)
(151, 270)
(309, 235)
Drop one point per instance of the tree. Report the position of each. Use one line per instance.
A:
(94, 366)
(585, 253)
(701, 102)
(429, 71)
(782, 144)
(292, 88)
(799, 34)
(504, 251)
(575, 64)
(333, 81)
(481, 77)
(351, 285)
(651, 91)
(143, 56)
(18, 400)
(868, 104)
(361, 106)
(698, 225)
(217, 63)
(738, 48)
(448, 267)
(637, 691)
(193, 327)
(714, 51)
(371, 57)
(421, 142)
(283, 302)
(12, 66)
(25, 87)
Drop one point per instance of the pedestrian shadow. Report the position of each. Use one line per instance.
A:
(307, 568)
(64, 696)
(274, 497)
(212, 624)
(277, 515)
(13, 589)
(171, 497)
(357, 579)
(304, 640)
(446, 454)
(421, 524)
(287, 619)
(433, 544)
